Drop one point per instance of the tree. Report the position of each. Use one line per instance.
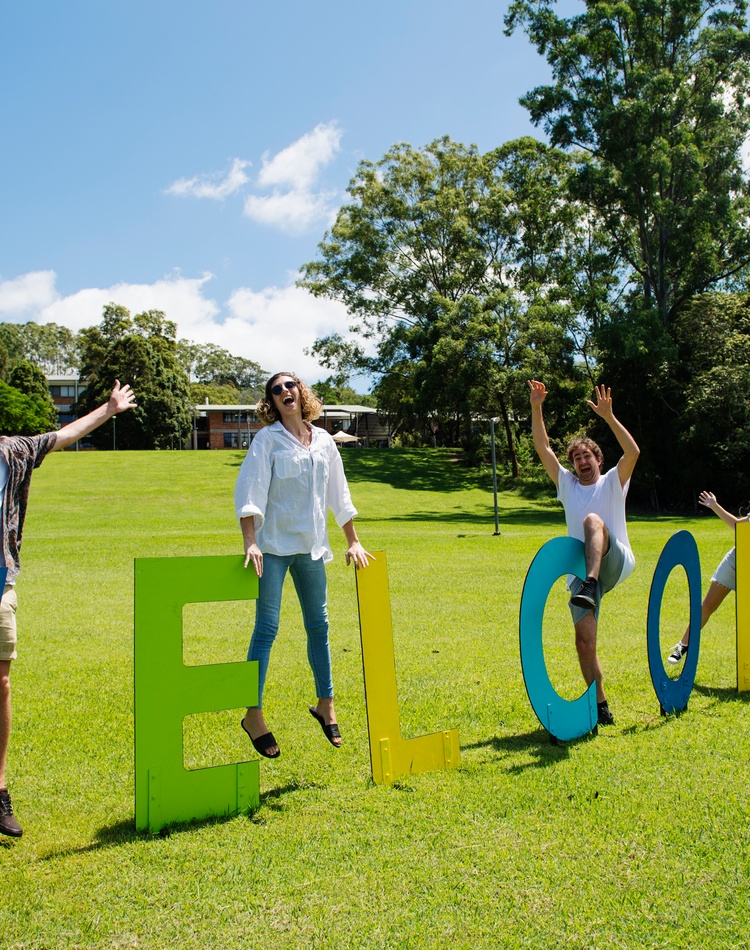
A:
(448, 262)
(713, 434)
(31, 381)
(141, 351)
(208, 363)
(334, 391)
(657, 94)
(23, 415)
(49, 346)
(215, 394)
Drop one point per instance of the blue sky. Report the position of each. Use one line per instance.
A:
(189, 156)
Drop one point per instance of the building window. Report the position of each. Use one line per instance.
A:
(239, 417)
(237, 440)
(65, 391)
(64, 418)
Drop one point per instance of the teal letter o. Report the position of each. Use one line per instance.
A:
(562, 718)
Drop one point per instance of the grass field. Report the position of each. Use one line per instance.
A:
(636, 838)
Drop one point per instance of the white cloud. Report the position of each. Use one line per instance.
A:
(272, 326)
(27, 294)
(299, 164)
(207, 186)
(292, 212)
(294, 203)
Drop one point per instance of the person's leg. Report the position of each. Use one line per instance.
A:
(5, 717)
(311, 585)
(724, 580)
(712, 601)
(588, 658)
(8, 823)
(595, 543)
(267, 610)
(7, 654)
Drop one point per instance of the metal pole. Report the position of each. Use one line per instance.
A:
(114, 433)
(494, 476)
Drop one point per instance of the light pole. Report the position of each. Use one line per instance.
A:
(494, 473)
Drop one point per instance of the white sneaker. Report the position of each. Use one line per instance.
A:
(678, 653)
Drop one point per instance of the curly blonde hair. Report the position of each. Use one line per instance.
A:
(267, 412)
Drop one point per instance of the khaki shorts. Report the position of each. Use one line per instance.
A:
(8, 623)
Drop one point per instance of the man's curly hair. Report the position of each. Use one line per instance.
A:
(267, 412)
(586, 443)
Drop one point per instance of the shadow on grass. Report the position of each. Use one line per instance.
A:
(539, 744)
(125, 832)
(530, 517)
(722, 694)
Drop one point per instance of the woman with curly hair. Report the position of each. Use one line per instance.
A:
(291, 475)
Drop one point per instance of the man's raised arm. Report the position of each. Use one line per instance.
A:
(539, 432)
(630, 450)
(122, 398)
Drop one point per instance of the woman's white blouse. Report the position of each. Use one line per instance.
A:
(288, 489)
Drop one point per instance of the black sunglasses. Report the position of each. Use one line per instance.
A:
(278, 389)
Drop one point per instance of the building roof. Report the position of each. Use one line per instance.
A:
(327, 410)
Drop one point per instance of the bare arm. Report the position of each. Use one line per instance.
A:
(355, 552)
(630, 450)
(708, 499)
(252, 551)
(539, 432)
(122, 398)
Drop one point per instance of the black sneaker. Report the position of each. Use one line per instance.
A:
(605, 717)
(586, 596)
(8, 824)
(678, 653)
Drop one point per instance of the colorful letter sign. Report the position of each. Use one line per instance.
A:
(743, 606)
(390, 754)
(564, 719)
(681, 549)
(166, 691)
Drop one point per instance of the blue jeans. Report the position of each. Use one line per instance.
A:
(310, 583)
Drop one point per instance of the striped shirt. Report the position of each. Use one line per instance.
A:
(21, 454)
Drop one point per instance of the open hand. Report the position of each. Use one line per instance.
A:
(603, 405)
(538, 392)
(121, 398)
(358, 554)
(708, 499)
(254, 554)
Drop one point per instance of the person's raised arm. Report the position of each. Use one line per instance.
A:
(630, 450)
(122, 398)
(539, 432)
(708, 499)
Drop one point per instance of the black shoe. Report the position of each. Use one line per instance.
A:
(604, 714)
(586, 596)
(8, 824)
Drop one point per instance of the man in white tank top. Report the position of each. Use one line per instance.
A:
(594, 504)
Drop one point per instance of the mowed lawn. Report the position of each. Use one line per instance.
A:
(638, 837)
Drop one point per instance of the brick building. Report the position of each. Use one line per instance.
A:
(233, 427)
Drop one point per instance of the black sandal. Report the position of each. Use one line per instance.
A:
(263, 742)
(330, 730)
